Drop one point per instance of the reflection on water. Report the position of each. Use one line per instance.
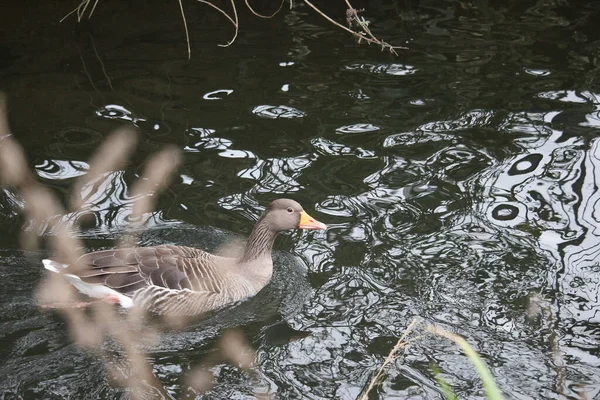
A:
(459, 181)
(61, 169)
(388, 69)
(266, 111)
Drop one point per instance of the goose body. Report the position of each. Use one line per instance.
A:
(179, 280)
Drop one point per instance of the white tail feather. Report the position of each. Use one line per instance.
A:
(89, 289)
(54, 266)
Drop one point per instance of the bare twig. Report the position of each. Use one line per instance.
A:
(360, 35)
(108, 80)
(234, 21)
(266, 16)
(93, 9)
(352, 16)
(236, 24)
(86, 72)
(187, 34)
(80, 10)
(218, 9)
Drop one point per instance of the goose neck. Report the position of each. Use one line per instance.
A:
(260, 242)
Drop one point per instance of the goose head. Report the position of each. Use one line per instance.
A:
(284, 214)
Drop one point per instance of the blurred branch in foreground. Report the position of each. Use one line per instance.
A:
(92, 324)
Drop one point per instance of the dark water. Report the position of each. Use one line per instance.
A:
(459, 179)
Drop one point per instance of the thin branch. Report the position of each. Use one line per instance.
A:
(101, 63)
(362, 32)
(360, 35)
(265, 16)
(187, 35)
(361, 23)
(329, 19)
(236, 24)
(93, 9)
(80, 10)
(218, 9)
(86, 72)
(83, 4)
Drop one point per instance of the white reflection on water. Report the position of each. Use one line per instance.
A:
(115, 111)
(358, 128)
(329, 147)
(537, 72)
(209, 144)
(384, 69)
(230, 153)
(217, 94)
(552, 187)
(277, 175)
(202, 139)
(61, 169)
(107, 207)
(274, 112)
(570, 96)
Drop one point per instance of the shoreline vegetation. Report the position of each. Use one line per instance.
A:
(358, 26)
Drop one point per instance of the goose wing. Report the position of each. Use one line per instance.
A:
(169, 267)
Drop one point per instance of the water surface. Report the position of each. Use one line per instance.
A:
(459, 180)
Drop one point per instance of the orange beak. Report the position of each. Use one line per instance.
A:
(308, 222)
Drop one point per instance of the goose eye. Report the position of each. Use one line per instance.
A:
(289, 209)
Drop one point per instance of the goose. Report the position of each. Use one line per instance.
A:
(184, 281)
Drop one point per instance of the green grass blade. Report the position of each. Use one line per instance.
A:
(489, 384)
(446, 389)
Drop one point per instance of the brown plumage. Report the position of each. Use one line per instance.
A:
(179, 280)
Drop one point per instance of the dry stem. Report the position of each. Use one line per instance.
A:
(363, 34)
(360, 35)
(187, 34)
(402, 343)
(266, 16)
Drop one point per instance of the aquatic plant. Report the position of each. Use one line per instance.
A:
(489, 384)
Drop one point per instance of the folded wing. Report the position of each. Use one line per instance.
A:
(168, 267)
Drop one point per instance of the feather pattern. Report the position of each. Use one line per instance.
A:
(169, 267)
(179, 280)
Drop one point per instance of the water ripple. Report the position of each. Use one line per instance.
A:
(277, 175)
(461, 187)
(383, 69)
(276, 112)
(61, 169)
(329, 147)
(357, 128)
